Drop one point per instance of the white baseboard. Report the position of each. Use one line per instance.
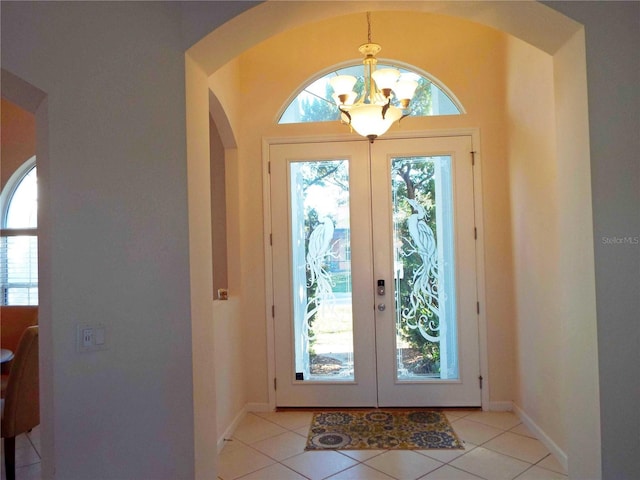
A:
(555, 450)
(249, 407)
(258, 407)
(506, 406)
(228, 433)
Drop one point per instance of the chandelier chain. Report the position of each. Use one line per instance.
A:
(372, 113)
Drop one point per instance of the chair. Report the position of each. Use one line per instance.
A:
(21, 402)
(14, 320)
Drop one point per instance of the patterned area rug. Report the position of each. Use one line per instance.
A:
(381, 430)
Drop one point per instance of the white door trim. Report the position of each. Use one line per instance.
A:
(478, 196)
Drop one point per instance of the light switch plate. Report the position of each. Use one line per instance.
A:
(90, 338)
(99, 336)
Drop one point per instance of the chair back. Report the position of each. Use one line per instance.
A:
(14, 320)
(22, 397)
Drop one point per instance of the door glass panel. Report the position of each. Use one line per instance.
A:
(321, 264)
(424, 274)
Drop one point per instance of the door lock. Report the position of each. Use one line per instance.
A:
(381, 289)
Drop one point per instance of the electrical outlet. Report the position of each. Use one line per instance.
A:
(87, 337)
(90, 338)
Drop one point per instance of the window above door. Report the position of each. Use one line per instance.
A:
(314, 102)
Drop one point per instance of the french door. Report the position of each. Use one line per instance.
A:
(374, 273)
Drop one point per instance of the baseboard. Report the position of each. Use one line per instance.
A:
(555, 450)
(506, 406)
(249, 407)
(228, 433)
(258, 407)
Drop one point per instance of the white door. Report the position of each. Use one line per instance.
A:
(374, 273)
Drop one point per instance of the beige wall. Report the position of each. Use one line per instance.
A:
(579, 347)
(535, 235)
(273, 70)
(218, 210)
(224, 85)
(110, 120)
(201, 275)
(231, 339)
(507, 88)
(114, 113)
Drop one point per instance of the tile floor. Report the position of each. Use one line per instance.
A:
(27, 456)
(270, 446)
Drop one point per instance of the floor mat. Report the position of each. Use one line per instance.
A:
(381, 430)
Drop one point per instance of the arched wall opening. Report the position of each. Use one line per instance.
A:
(34, 101)
(532, 205)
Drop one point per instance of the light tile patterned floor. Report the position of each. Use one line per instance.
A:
(27, 456)
(270, 446)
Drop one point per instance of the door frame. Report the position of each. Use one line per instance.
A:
(478, 213)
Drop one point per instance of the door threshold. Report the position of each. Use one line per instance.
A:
(330, 409)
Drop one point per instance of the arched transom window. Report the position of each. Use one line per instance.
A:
(19, 237)
(314, 103)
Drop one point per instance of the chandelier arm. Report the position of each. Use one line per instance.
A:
(346, 113)
(385, 107)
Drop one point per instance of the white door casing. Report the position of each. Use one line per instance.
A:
(375, 381)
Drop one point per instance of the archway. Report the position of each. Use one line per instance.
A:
(565, 45)
(34, 100)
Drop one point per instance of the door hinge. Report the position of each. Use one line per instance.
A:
(473, 158)
(475, 233)
(478, 307)
(273, 311)
(275, 384)
(271, 239)
(269, 168)
(480, 380)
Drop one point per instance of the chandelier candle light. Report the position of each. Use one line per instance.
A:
(372, 114)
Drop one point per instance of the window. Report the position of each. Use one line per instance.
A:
(19, 237)
(315, 104)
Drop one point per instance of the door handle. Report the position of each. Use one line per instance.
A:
(382, 307)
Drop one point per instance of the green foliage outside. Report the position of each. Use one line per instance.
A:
(323, 110)
(412, 178)
(320, 174)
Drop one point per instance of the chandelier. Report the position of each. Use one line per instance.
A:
(372, 114)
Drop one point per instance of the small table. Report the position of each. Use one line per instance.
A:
(5, 355)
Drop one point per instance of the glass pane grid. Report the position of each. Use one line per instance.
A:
(19, 270)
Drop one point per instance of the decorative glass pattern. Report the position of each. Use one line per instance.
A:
(423, 240)
(322, 311)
